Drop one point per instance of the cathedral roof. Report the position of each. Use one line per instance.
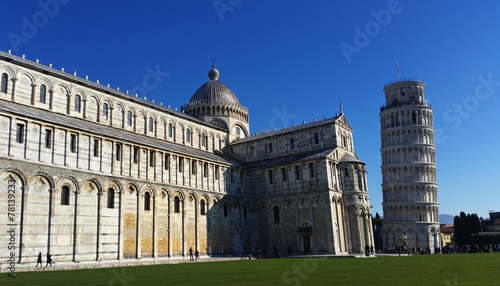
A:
(80, 124)
(214, 92)
(291, 159)
(350, 158)
(102, 88)
(288, 130)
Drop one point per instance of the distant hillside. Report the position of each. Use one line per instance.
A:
(446, 219)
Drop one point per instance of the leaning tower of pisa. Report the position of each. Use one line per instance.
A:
(411, 209)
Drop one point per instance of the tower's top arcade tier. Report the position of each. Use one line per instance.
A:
(405, 91)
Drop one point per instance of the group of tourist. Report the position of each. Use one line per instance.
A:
(196, 253)
(474, 248)
(39, 260)
(488, 248)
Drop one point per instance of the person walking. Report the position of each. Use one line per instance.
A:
(197, 254)
(49, 260)
(39, 260)
(191, 258)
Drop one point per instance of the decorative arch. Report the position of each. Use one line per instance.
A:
(29, 76)
(67, 181)
(92, 186)
(46, 82)
(80, 92)
(9, 71)
(44, 176)
(132, 189)
(262, 206)
(112, 184)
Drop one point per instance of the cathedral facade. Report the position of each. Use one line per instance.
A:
(88, 172)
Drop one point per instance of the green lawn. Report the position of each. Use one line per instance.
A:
(446, 270)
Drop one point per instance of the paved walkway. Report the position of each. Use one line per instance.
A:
(25, 267)
(56, 266)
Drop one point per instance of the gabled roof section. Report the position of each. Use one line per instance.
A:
(287, 130)
(342, 121)
(291, 159)
(112, 132)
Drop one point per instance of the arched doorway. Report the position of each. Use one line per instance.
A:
(305, 233)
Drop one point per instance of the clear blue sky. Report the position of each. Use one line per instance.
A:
(284, 61)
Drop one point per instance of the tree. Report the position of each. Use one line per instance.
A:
(465, 226)
(377, 230)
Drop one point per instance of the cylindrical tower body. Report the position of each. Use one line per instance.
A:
(409, 186)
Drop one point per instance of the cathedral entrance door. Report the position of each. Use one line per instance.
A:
(399, 242)
(307, 243)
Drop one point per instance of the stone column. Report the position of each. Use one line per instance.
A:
(122, 196)
(68, 103)
(285, 244)
(51, 98)
(169, 224)
(196, 226)
(314, 248)
(75, 223)
(156, 128)
(140, 212)
(345, 221)
(155, 229)
(84, 103)
(50, 214)
(99, 225)
(33, 94)
(13, 96)
(110, 108)
(184, 244)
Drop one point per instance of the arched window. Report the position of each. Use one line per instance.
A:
(129, 118)
(270, 176)
(276, 211)
(203, 140)
(43, 93)
(292, 144)
(170, 131)
(346, 172)
(105, 111)
(202, 207)
(245, 212)
(360, 180)
(188, 135)
(65, 196)
(151, 124)
(226, 209)
(147, 201)
(414, 118)
(5, 80)
(111, 198)
(297, 172)
(78, 103)
(177, 205)
(311, 170)
(316, 138)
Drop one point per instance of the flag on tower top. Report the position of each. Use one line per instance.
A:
(397, 69)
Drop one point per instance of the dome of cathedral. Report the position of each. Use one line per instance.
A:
(214, 92)
(214, 99)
